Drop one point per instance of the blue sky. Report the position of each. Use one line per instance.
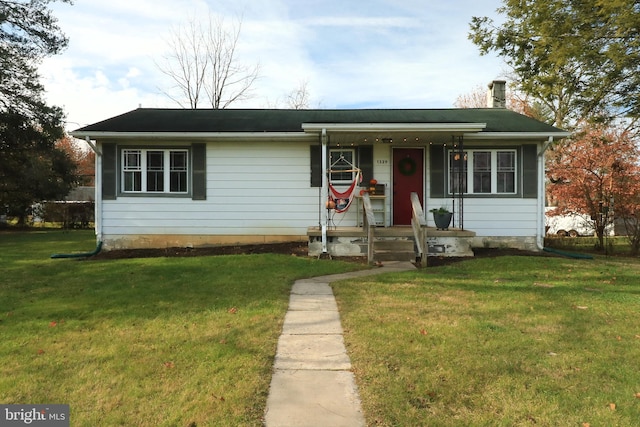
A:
(351, 53)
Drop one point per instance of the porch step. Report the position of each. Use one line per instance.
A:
(398, 249)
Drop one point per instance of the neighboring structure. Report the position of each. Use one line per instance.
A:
(75, 211)
(568, 225)
(174, 177)
(574, 225)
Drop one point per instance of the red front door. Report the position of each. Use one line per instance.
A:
(408, 177)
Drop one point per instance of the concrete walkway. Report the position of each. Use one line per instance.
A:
(312, 383)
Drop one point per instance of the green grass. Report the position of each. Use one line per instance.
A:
(497, 341)
(145, 342)
(617, 245)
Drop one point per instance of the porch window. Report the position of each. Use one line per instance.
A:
(155, 171)
(338, 165)
(492, 171)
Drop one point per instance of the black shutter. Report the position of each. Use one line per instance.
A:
(316, 165)
(199, 172)
(365, 163)
(530, 171)
(109, 171)
(437, 171)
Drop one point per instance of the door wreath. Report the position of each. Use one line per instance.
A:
(407, 166)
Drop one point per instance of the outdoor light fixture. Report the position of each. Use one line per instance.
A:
(387, 140)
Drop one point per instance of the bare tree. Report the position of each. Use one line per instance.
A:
(516, 101)
(202, 63)
(477, 98)
(298, 98)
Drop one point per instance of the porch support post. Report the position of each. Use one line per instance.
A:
(324, 192)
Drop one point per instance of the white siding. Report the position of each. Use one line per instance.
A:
(252, 189)
(503, 217)
(263, 189)
(492, 217)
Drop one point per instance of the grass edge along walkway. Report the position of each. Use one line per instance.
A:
(497, 341)
(150, 342)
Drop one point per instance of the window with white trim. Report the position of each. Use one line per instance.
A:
(482, 171)
(155, 171)
(342, 160)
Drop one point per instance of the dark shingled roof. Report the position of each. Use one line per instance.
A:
(256, 120)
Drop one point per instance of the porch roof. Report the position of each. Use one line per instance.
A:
(210, 122)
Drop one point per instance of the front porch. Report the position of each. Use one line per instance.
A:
(396, 243)
(390, 243)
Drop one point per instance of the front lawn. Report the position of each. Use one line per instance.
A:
(144, 342)
(526, 341)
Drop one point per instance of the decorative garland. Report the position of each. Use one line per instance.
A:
(407, 166)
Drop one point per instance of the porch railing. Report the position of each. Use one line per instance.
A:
(369, 225)
(419, 225)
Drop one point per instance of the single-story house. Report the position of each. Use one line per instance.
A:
(198, 177)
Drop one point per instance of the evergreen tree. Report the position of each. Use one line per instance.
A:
(581, 58)
(31, 167)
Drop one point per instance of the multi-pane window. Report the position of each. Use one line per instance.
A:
(342, 160)
(457, 172)
(132, 170)
(178, 171)
(482, 171)
(506, 171)
(154, 171)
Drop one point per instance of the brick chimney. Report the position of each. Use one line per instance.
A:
(497, 94)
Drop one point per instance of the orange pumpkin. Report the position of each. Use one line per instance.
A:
(331, 204)
(373, 182)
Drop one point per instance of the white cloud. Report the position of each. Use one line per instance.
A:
(383, 53)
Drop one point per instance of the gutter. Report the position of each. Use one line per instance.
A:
(541, 199)
(219, 136)
(515, 135)
(393, 127)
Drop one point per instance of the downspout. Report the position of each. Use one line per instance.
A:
(541, 195)
(97, 208)
(98, 190)
(324, 192)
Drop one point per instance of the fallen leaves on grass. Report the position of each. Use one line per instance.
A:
(612, 406)
(423, 331)
(637, 395)
(169, 365)
(232, 310)
(580, 307)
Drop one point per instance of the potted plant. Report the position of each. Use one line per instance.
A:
(442, 217)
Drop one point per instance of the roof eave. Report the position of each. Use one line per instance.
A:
(394, 127)
(219, 136)
(515, 135)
